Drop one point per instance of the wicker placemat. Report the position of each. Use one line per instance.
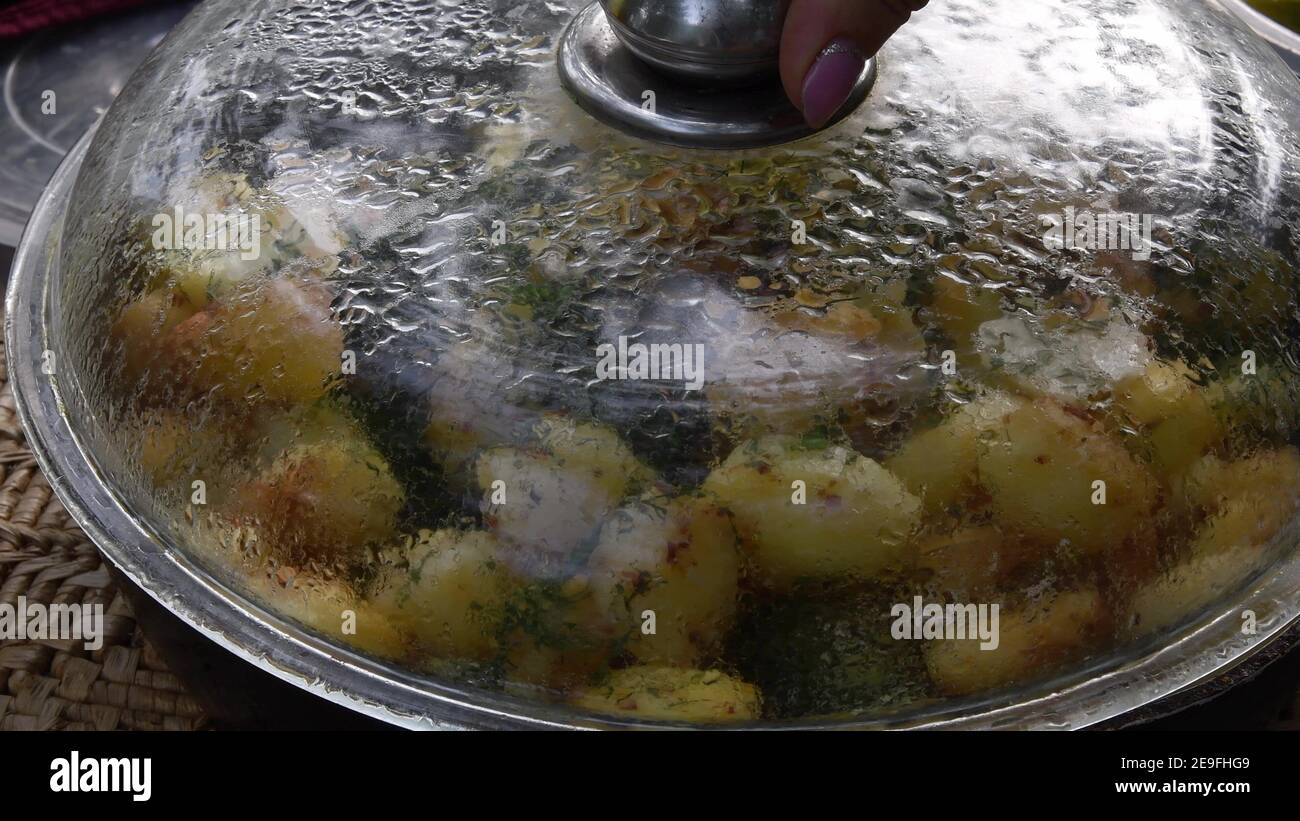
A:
(57, 684)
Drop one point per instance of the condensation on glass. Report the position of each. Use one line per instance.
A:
(361, 297)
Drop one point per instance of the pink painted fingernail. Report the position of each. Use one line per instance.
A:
(830, 81)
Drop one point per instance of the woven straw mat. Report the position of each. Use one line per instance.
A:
(56, 684)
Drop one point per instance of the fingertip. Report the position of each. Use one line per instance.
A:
(816, 29)
(802, 39)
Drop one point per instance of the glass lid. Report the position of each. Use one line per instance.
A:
(406, 334)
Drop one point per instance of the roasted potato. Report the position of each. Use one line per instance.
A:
(1187, 587)
(322, 500)
(1040, 469)
(553, 497)
(447, 593)
(849, 517)
(941, 464)
(680, 564)
(1032, 641)
(332, 608)
(275, 338)
(1247, 501)
(672, 694)
(1163, 390)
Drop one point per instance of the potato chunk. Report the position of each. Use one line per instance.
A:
(530, 664)
(1182, 438)
(277, 338)
(449, 595)
(324, 499)
(141, 327)
(672, 694)
(247, 231)
(960, 309)
(1031, 642)
(272, 338)
(1241, 524)
(176, 450)
(554, 497)
(1188, 587)
(1180, 414)
(557, 635)
(1246, 501)
(973, 561)
(333, 609)
(855, 518)
(679, 563)
(1161, 391)
(1040, 470)
(940, 464)
(1269, 479)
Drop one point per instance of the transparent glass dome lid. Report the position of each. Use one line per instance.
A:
(360, 310)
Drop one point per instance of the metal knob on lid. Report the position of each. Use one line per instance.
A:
(697, 73)
(714, 41)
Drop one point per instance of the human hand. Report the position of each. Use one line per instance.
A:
(826, 43)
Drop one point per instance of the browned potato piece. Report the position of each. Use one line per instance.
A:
(855, 519)
(960, 309)
(1215, 482)
(1248, 500)
(673, 694)
(1040, 471)
(323, 499)
(559, 635)
(1187, 587)
(1178, 441)
(552, 498)
(1161, 391)
(1249, 522)
(275, 338)
(940, 464)
(286, 229)
(973, 561)
(449, 598)
(678, 562)
(1032, 642)
(143, 326)
(332, 608)
(1181, 415)
(530, 664)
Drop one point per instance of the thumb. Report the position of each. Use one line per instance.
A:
(825, 45)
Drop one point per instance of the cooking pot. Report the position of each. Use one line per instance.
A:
(466, 365)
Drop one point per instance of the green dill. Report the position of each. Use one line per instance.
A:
(548, 300)
(819, 438)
